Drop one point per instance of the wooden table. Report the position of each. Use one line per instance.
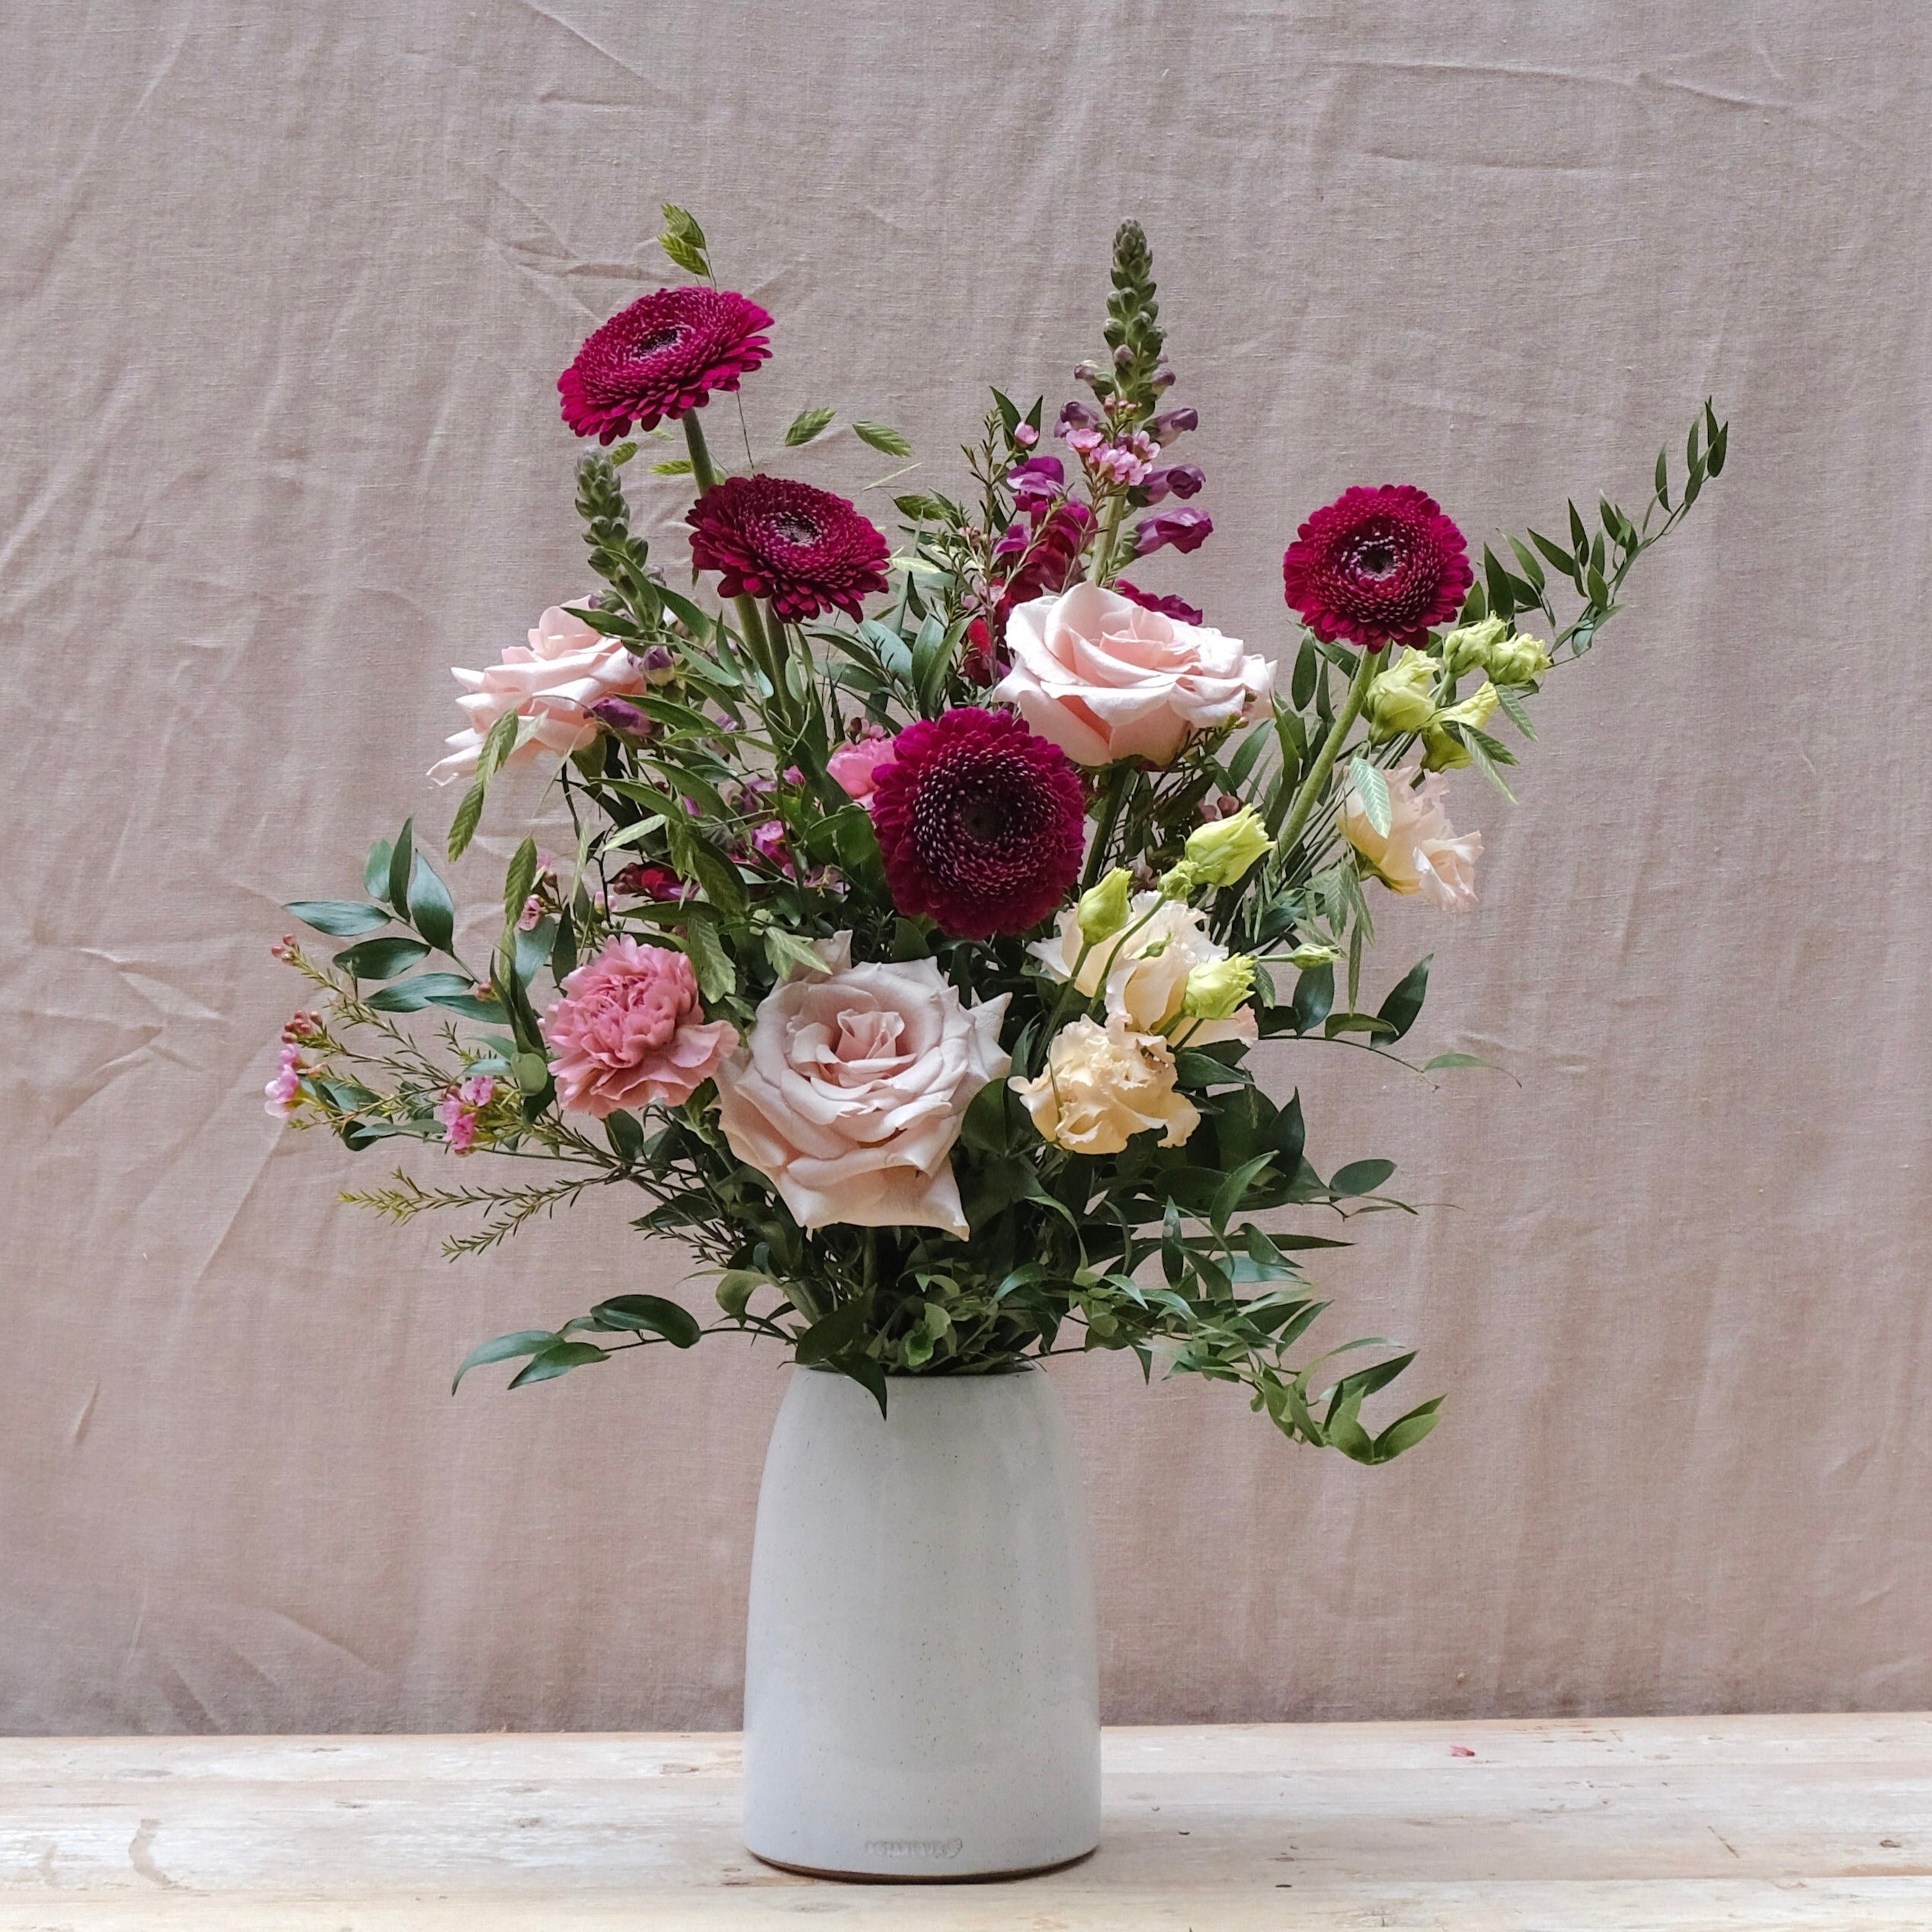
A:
(1740, 1822)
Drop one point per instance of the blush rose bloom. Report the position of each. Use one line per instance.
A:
(849, 1094)
(553, 681)
(855, 767)
(1422, 851)
(629, 1030)
(1104, 677)
(1145, 971)
(1101, 1085)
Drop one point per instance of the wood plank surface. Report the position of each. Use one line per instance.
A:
(1571, 1826)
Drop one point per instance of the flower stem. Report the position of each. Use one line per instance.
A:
(1101, 570)
(1317, 775)
(1118, 780)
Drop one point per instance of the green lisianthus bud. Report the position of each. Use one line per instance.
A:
(1446, 753)
(1179, 881)
(1402, 699)
(1518, 660)
(1313, 954)
(1219, 988)
(1103, 911)
(1468, 648)
(1225, 849)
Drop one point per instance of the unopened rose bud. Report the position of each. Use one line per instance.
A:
(1218, 989)
(1226, 850)
(1103, 911)
(1401, 699)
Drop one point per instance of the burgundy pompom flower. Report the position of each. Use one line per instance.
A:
(981, 822)
(804, 549)
(1177, 608)
(1377, 567)
(661, 356)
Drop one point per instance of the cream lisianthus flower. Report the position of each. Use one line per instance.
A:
(1103, 1085)
(1420, 852)
(1144, 970)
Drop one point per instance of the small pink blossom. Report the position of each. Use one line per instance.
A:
(459, 1107)
(284, 1092)
(855, 768)
(1026, 435)
(630, 1030)
(1084, 441)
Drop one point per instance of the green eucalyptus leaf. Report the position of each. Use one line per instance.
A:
(375, 873)
(411, 996)
(505, 1347)
(649, 1314)
(400, 859)
(1360, 1177)
(381, 959)
(625, 1136)
(431, 910)
(558, 1359)
(1405, 1003)
(340, 919)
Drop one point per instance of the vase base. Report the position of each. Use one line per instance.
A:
(922, 1878)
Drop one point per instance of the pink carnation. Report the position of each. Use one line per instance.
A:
(630, 1030)
(855, 768)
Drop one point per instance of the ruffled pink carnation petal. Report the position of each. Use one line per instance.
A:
(630, 1030)
(803, 549)
(981, 822)
(1377, 567)
(662, 357)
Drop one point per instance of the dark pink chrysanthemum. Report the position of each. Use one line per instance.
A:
(803, 549)
(981, 822)
(662, 357)
(1377, 567)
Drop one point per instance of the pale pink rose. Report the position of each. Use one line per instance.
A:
(855, 768)
(849, 1095)
(629, 1031)
(1422, 851)
(553, 681)
(1105, 678)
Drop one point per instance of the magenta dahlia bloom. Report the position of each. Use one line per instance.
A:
(1377, 567)
(981, 822)
(661, 357)
(804, 550)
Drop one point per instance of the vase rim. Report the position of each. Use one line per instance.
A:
(1021, 1367)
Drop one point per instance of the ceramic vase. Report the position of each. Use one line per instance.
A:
(921, 1693)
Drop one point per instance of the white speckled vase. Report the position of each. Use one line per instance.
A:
(921, 1695)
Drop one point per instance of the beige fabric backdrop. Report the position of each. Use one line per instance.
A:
(286, 289)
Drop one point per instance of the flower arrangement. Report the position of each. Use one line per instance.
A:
(911, 965)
